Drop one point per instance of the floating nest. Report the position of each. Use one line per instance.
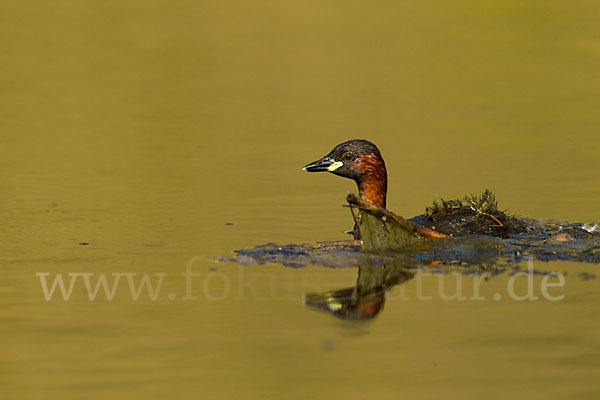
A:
(471, 215)
(469, 231)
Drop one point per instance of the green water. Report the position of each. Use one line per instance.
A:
(142, 127)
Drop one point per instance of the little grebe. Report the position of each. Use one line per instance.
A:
(361, 161)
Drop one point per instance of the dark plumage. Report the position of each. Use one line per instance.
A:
(361, 161)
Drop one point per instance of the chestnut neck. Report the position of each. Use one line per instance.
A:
(372, 184)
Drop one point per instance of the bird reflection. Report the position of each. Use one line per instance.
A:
(365, 300)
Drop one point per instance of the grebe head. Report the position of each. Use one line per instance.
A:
(361, 161)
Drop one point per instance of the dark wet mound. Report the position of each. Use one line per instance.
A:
(328, 254)
(471, 215)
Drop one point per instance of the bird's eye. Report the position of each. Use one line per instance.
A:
(348, 156)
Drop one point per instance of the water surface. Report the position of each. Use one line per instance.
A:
(141, 128)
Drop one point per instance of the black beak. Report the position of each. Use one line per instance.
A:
(321, 165)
